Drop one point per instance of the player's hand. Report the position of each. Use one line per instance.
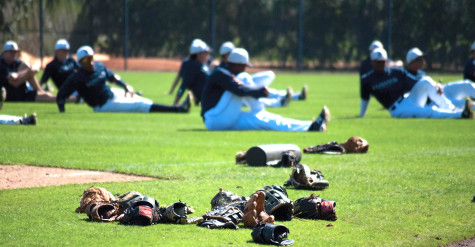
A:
(129, 90)
(266, 91)
(13, 75)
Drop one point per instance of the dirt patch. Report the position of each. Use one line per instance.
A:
(22, 176)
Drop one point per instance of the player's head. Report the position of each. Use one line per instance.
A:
(415, 59)
(199, 50)
(225, 50)
(378, 59)
(61, 49)
(238, 60)
(375, 44)
(10, 51)
(85, 56)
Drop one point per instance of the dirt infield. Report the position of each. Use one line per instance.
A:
(22, 176)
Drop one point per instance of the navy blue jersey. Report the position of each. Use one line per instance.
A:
(222, 80)
(223, 64)
(469, 70)
(91, 86)
(365, 66)
(59, 71)
(386, 87)
(194, 76)
(20, 93)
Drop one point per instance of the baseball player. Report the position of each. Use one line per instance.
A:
(194, 70)
(456, 91)
(18, 78)
(90, 82)
(222, 101)
(277, 98)
(62, 65)
(402, 94)
(16, 120)
(366, 66)
(469, 69)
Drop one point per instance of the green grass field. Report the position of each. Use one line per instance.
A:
(413, 188)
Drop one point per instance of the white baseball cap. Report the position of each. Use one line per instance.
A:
(473, 46)
(84, 51)
(379, 54)
(226, 48)
(10, 46)
(413, 54)
(239, 56)
(375, 44)
(61, 44)
(198, 46)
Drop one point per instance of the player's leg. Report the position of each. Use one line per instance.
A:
(427, 88)
(408, 109)
(225, 113)
(264, 78)
(457, 91)
(268, 121)
(14, 120)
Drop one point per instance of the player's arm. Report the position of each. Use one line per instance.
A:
(46, 75)
(365, 94)
(24, 73)
(239, 88)
(127, 88)
(68, 87)
(363, 107)
(175, 83)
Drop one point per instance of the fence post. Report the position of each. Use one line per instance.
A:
(126, 33)
(300, 36)
(41, 33)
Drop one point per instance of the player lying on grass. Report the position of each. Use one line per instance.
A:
(403, 95)
(17, 120)
(90, 82)
(276, 98)
(455, 91)
(222, 102)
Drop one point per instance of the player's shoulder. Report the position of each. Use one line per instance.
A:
(367, 74)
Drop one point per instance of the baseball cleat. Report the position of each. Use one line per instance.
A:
(303, 93)
(468, 110)
(29, 120)
(288, 97)
(320, 124)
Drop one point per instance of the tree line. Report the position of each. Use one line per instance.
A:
(332, 31)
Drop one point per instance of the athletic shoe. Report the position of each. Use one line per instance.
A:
(186, 105)
(3, 95)
(320, 124)
(288, 97)
(468, 110)
(303, 93)
(29, 120)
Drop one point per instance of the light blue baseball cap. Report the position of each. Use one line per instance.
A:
(84, 51)
(61, 44)
(10, 46)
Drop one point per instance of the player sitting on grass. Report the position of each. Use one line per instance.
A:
(455, 91)
(222, 102)
(277, 98)
(403, 95)
(18, 78)
(469, 69)
(90, 82)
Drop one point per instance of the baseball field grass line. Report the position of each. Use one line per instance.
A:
(413, 188)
